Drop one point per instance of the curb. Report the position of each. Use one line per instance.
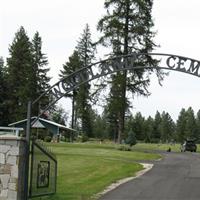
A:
(113, 186)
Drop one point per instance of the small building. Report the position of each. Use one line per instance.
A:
(56, 130)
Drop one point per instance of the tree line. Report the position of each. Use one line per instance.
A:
(126, 27)
(158, 129)
(23, 77)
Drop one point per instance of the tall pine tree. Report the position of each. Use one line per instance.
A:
(167, 128)
(127, 29)
(27, 74)
(181, 125)
(138, 126)
(86, 52)
(157, 128)
(40, 79)
(148, 129)
(191, 127)
(4, 116)
(198, 125)
(2, 89)
(21, 75)
(186, 125)
(70, 67)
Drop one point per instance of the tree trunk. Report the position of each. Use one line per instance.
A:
(121, 116)
(73, 115)
(122, 111)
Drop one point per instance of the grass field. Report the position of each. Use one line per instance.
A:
(86, 169)
(162, 147)
(157, 147)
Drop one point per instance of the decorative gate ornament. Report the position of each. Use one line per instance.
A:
(43, 170)
(43, 174)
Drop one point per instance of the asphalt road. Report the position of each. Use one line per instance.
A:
(176, 177)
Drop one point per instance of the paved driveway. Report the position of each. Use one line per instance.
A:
(176, 177)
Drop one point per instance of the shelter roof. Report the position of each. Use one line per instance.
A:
(40, 123)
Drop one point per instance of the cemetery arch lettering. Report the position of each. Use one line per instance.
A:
(120, 63)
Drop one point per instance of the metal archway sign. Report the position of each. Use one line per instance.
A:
(103, 68)
(109, 66)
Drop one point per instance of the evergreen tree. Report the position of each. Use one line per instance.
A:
(27, 74)
(99, 127)
(2, 83)
(4, 116)
(86, 52)
(157, 128)
(191, 127)
(186, 125)
(181, 126)
(167, 128)
(129, 123)
(138, 126)
(112, 123)
(198, 125)
(21, 75)
(131, 139)
(114, 105)
(41, 79)
(148, 129)
(85, 47)
(59, 115)
(70, 67)
(127, 29)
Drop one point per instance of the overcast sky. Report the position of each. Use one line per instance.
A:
(61, 22)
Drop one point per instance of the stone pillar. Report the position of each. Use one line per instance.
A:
(12, 159)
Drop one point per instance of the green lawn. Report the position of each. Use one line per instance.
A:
(174, 147)
(86, 169)
(164, 147)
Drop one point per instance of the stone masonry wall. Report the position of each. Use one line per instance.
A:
(11, 168)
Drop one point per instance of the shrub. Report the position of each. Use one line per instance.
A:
(47, 139)
(124, 148)
(131, 139)
(85, 138)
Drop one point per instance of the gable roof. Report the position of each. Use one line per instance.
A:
(40, 123)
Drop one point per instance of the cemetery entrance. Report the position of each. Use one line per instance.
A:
(44, 165)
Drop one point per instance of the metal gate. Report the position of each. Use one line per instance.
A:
(43, 173)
